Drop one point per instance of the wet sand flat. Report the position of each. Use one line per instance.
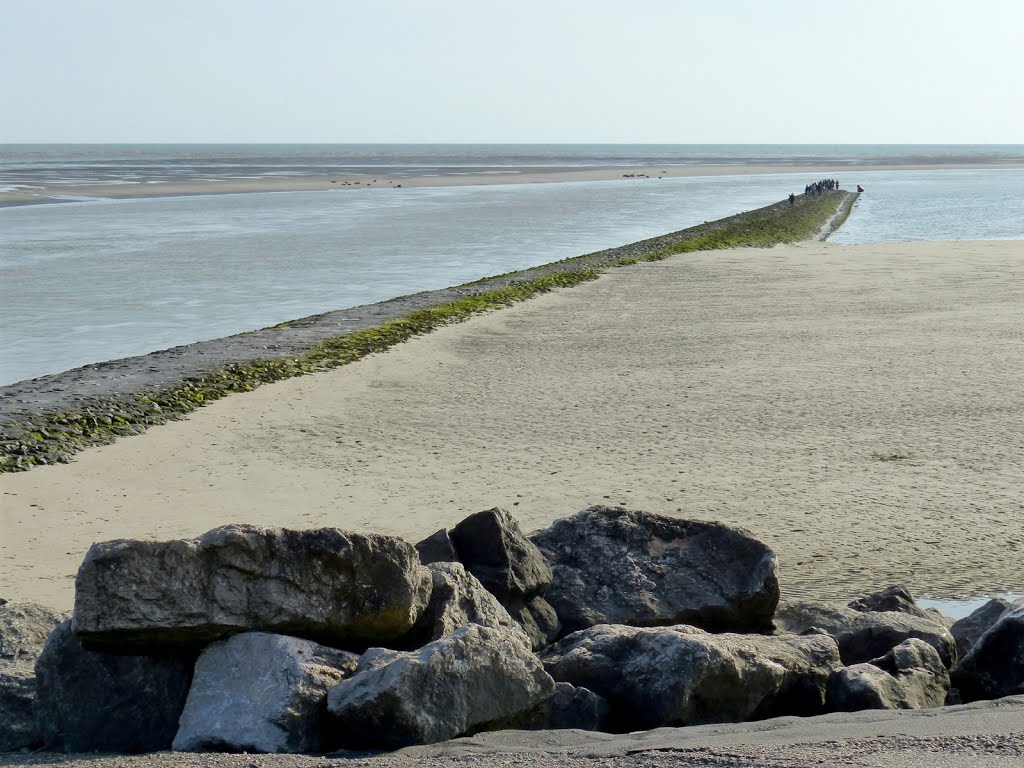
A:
(857, 407)
(342, 182)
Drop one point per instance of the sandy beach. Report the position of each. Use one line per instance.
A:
(65, 193)
(857, 407)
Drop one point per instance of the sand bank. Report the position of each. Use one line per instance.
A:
(64, 193)
(858, 407)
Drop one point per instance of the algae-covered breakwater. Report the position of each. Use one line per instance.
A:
(46, 420)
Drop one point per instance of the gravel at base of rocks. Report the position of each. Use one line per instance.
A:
(993, 750)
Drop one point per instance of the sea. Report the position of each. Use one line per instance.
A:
(84, 280)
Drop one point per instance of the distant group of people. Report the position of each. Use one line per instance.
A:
(821, 187)
(817, 188)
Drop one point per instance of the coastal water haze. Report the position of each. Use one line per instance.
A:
(28, 167)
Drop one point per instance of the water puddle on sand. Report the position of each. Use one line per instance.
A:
(958, 609)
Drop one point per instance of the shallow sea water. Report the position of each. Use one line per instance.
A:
(959, 609)
(90, 281)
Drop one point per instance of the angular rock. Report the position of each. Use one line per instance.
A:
(994, 667)
(460, 683)
(896, 599)
(343, 589)
(24, 628)
(570, 707)
(616, 566)
(681, 675)
(457, 599)
(437, 548)
(88, 701)
(538, 619)
(258, 692)
(967, 631)
(494, 549)
(864, 636)
(910, 676)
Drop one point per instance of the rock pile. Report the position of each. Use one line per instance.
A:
(273, 640)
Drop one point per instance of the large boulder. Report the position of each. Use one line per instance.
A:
(864, 636)
(616, 566)
(344, 589)
(90, 701)
(437, 548)
(472, 677)
(968, 629)
(457, 599)
(24, 628)
(570, 707)
(910, 676)
(258, 692)
(538, 619)
(681, 675)
(994, 667)
(494, 549)
(896, 599)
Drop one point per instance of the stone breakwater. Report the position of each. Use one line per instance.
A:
(282, 641)
(47, 420)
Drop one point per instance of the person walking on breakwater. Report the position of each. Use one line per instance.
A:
(792, 199)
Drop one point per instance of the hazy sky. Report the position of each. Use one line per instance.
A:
(712, 71)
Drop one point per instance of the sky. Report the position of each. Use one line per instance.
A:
(708, 71)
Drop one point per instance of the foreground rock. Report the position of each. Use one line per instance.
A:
(457, 599)
(897, 599)
(969, 629)
(494, 549)
(615, 566)
(437, 548)
(472, 677)
(676, 676)
(538, 620)
(24, 628)
(864, 636)
(345, 589)
(994, 667)
(910, 676)
(88, 701)
(570, 707)
(258, 692)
